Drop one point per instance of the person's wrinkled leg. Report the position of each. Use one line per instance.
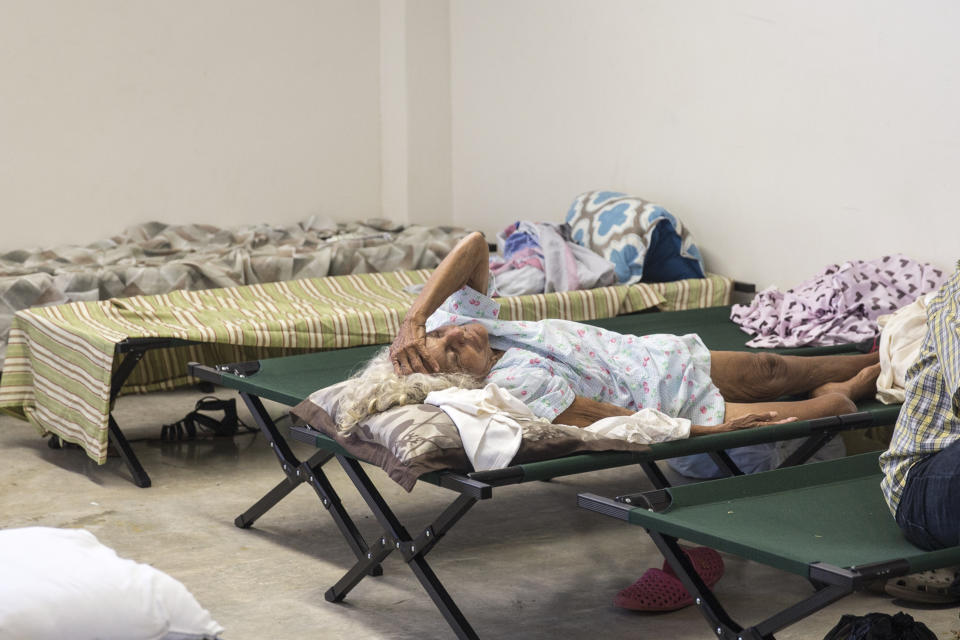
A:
(758, 377)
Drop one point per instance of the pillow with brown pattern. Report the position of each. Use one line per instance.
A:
(411, 440)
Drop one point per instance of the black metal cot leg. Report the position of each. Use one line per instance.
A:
(140, 477)
(723, 460)
(288, 461)
(421, 546)
(246, 519)
(363, 567)
(809, 447)
(723, 625)
(413, 550)
(331, 501)
(822, 598)
(446, 605)
(298, 472)
(653, 473)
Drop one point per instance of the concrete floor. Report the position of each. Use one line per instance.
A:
(528, 564)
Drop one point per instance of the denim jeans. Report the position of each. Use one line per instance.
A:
(929, 510)
(750, 459)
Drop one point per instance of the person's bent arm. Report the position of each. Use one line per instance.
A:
(467, 264)
(747, 421)
(583, 412)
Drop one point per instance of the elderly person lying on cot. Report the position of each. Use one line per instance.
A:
(576, 374)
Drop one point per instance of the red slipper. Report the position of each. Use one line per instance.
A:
(706, 561)
(654, 591)
(661, 590)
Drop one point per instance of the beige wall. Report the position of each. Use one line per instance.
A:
(429, 116)
(788, 135)
(415, 111)
(115, 112)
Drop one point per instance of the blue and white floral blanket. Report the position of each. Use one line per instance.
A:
(643, 240)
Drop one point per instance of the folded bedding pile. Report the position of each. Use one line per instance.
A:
(841, 304)
(644, 241)
(60, 359)
(155, 258)
(607, 237)
(540, 257)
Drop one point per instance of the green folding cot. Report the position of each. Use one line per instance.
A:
(826, 521)
(290, 380)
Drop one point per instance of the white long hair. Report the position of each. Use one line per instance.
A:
(377, 388)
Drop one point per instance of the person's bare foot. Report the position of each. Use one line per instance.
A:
(860, 386)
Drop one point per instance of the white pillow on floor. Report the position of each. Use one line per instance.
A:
(62, 583)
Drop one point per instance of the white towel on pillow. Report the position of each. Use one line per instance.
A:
(646, 426)
(486, 421)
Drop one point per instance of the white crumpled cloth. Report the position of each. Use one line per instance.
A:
(901, 335)
(646, 426)
(487, 421)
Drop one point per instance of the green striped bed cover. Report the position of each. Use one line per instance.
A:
(60, 358)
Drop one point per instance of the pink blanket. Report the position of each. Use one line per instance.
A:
(837, 306)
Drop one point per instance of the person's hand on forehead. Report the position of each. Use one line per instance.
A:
(409, 352)
(467, 264)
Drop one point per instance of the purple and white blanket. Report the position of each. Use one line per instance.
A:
(837, 306)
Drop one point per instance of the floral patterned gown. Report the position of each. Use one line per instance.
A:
(548, 362)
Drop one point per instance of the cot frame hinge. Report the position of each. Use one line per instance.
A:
(856, 576)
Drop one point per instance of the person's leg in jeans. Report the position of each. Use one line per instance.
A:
(929, 516)
(929, 510)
